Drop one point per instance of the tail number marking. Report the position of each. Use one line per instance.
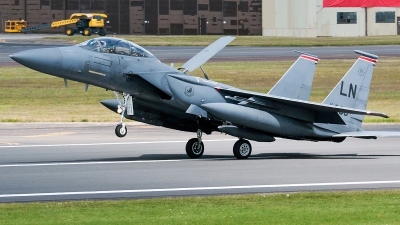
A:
(340, 113)
(352, 90)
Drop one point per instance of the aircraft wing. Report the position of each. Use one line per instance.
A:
(299, 109)
(202, 57)
(369, 134)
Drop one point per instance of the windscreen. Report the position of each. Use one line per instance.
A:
(115, 46)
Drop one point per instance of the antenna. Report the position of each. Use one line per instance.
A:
(205, 75)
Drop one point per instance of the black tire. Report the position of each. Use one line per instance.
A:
(120, 132)
(87, 32)
(191, 149)
(70, 32)
(242, 149)
(102, 31)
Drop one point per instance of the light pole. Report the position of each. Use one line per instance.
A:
(145, 22)
(2, 21)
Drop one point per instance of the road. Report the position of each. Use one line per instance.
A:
(68, 161)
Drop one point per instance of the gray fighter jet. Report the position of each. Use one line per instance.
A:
(158, 94)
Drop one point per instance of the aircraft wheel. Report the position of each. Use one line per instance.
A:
(102, 31)
(70, 32)
(121, 131)
(87, 32)
(242, 149)
(191, 148)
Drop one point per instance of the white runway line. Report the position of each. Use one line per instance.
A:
(93, 163)
(98, 144)
(119, 162)
(198, 189)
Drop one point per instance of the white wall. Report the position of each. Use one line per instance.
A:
(289, 18)
(307, 18)
(327, 22)
(375, 29)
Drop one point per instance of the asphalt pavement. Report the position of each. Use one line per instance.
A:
(75, 161)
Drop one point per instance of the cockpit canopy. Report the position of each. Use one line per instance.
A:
(115, 46)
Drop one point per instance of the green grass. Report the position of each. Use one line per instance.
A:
(29, 96)
(359, 207)
(182, 40)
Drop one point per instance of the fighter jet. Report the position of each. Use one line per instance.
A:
(158, 94)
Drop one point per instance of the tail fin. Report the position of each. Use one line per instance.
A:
(353, 89)
(296, 83)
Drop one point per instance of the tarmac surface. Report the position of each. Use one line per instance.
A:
(75, 161)
(176, 54)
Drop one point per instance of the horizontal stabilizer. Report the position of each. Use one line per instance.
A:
(324, 112)
(369, 134)
(206, 54)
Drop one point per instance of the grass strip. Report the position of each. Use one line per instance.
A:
(182, 40)
(355, 207)
(30, 96)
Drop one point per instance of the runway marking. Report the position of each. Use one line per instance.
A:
(197, 189)
(92, 163)
(49, 134)
(10, 143)
(115, 143)
(124, 162)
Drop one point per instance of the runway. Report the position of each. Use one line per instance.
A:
(73, 161)
(177, 54)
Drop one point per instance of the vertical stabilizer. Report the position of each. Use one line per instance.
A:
(296, 83)
(353, 89)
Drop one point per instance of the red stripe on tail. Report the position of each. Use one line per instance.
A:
(309, 57)
(367, 59)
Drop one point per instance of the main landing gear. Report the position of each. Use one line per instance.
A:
(121, 129)
(242, 149)
(195, 147)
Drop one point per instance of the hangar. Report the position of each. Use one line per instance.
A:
(154, 17)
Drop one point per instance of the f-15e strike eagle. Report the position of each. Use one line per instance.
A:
(158, 94)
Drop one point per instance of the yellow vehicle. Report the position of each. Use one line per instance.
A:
(14, 26)
(86, 24)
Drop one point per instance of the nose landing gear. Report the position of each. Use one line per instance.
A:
(121, 129)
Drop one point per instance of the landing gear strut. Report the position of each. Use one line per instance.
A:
(242, 149)
(195, 146)
(121, 129)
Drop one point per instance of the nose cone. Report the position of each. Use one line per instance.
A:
(46, 60)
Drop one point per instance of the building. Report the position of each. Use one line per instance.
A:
(316, 18)
(292, 18)
(155, 17)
